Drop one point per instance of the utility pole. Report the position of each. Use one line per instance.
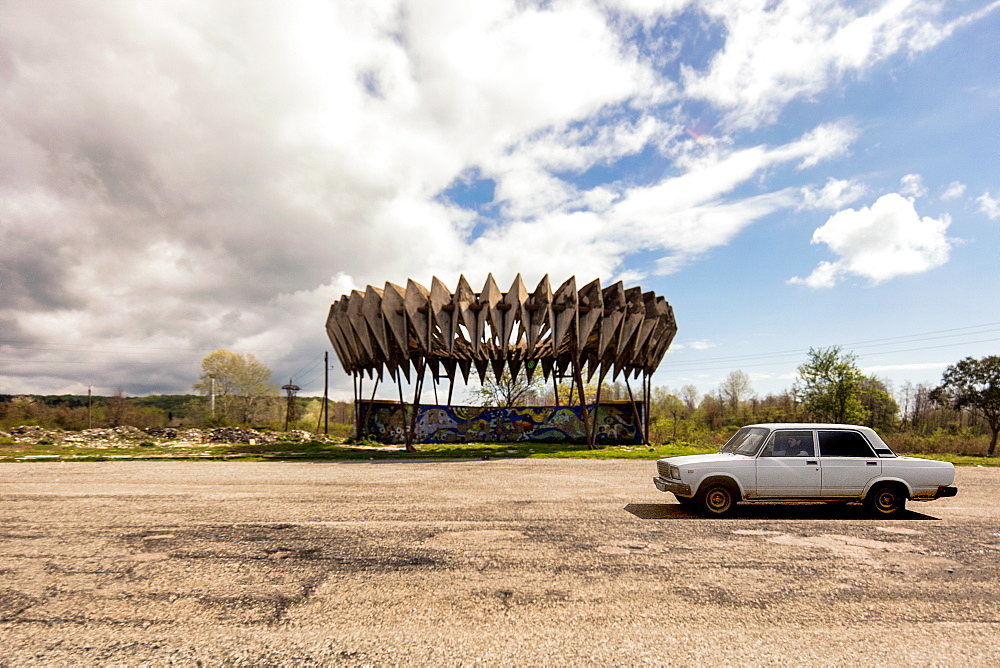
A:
(211, 383)
(326, 387)
(90, 405)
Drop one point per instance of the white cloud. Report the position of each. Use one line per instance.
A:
(912, 185)
(793, 50)
(879, 243)
(989, 205)
(192, 175)
(835, 194)
(954, 190)
(825, 275)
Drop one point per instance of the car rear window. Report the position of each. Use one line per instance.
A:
(843, 444)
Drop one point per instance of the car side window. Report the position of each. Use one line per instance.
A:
(789, 444)
(844, 444)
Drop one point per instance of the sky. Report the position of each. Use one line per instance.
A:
(180, 176)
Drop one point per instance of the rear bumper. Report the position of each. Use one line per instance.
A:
(665, 485)
(946, 491)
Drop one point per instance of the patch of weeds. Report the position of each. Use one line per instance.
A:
(46, 441)
(365, 441)
(146, 443)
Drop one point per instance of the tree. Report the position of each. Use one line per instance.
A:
(736, 389)
(974, 385)
(665, 404)
(876, 397)
(690, 396)
(239, 384)
(117, 411)
(508, 390)
(829, 386)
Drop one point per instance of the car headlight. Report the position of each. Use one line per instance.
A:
(675, 473)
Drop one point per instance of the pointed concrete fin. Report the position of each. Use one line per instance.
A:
(498, 365)
(416, 303)
(591, 307)
(635, 311)
(393, 311)
(564, 308)
(539, 311)
(355, 305)
(490, 299)
(547, 364)
(449, 365)
(371, 308)
(465, 366)
(333, 331)
(441, 325)
(346, 332)
(464, 298)
(481, 367)
(513, 313)
(613, 297)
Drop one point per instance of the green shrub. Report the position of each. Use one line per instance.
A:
(363, 441)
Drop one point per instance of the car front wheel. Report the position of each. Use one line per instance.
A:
(717, 499)
(685, 501)
(886, 501)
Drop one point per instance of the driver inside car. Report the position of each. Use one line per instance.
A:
(792, 446)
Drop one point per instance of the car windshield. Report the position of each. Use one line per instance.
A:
(746, 441)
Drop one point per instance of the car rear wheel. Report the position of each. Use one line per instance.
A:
(886, 501)
(717, 499)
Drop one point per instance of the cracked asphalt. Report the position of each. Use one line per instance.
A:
(501, 562)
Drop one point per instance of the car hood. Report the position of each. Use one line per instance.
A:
(687, 460)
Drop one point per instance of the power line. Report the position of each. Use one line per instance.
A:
(308, 366)
(904, 339)
(887, 352)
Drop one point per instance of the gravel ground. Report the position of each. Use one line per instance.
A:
(528, 562)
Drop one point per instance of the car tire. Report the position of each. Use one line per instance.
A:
(886, 501)
(717, 499)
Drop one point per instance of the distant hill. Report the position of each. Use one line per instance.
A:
(180, 406)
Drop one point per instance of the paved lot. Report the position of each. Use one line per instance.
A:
(534, 562)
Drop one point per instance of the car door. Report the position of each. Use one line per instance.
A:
(848, 462)
(787, 466)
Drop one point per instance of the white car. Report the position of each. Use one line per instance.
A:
(804, 462)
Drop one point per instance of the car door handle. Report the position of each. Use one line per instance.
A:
(872, 463)
(812, 462)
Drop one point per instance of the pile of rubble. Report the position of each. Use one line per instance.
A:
(126, 435)
(236, 435)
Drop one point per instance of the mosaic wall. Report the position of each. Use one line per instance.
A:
(464, 424)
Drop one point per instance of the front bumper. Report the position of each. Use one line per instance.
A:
(666, 485)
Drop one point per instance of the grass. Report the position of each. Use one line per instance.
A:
(152, 450)
(318, 450)
(961, 460)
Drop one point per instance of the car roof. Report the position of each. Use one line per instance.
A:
(806, 425)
